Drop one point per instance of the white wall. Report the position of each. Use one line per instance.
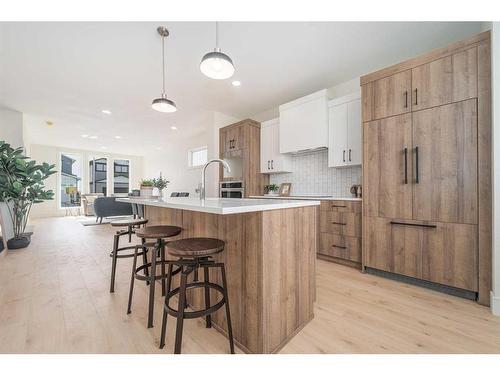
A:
(495, 45)
(51, 155)
(172, 161)
(11, 127)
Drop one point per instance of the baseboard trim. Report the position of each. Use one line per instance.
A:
(495, 304)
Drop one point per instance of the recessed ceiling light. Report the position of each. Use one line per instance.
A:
(158, 148)
(173, 127)
(103, 147)
(85, 135)
(106, 111)
(49, 123)
(93, 137)
(236, 83)
(118, 136)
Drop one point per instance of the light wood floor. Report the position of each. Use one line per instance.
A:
(54, 298)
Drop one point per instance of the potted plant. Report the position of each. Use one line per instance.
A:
(271, 189)
(160, 183)
(146, 188)
(21, 185)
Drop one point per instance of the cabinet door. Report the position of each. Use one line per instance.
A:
(449, 255)
(337, 150)
(393, 248)
(391, 95)
(445, 149)
(387, 193)
(450, 79)
(266, 148)
(354, 132)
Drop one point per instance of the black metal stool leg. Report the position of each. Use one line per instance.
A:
(180, 313)
(152, 286)
(113, 262)
(162, 257)
(165, 313)
(130, 233)
(228, 314)
(207, 297)
(132, 279)
(145, 259)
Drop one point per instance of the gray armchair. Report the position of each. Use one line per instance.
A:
(108, 206)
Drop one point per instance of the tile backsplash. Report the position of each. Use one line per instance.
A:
(311, 176)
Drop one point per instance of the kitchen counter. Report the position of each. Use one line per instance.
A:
(270, 257)
(305, 197)
(222, 206)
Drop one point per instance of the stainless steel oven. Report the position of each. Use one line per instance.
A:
(231, 189)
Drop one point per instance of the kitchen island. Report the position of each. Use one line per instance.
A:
(269, 256)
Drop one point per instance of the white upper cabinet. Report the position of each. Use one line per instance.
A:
(271, 160)
(344, 146)
(304, 123)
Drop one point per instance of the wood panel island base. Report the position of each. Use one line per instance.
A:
(270, 264)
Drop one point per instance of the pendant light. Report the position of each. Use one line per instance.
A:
(163, 104)
(217, 65)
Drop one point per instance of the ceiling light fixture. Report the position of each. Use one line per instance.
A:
(236, 83)
(173, 127)
(106, 111)
(93, 137)
(85, 135)
(49, 124)
(118, 137)
(217, 65)
(163, 104)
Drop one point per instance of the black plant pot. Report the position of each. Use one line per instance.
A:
(19, 243)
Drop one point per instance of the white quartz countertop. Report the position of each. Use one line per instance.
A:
(222, 206)
(305, 197)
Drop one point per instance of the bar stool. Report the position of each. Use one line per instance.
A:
(194, 253)
(130, 224)
(158, 233)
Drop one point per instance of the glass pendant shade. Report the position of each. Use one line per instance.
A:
(217, 65)
(164, 105)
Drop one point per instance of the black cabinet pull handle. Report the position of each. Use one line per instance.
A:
(337, 223)
(272, 164)
(414, 224)
(268, 167)
(406, 99)
(417, 180)
(405, 151)
(416, 96)
(338, 206)
(340, 247)
(349, 154)
(343, 156)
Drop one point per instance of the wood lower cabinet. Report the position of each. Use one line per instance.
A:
(340, 231)
(444, 253)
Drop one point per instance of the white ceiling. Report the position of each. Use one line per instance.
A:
(68, 72)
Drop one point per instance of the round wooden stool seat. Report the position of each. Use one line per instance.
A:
(158, 231)
(128, 222)
(195, 247)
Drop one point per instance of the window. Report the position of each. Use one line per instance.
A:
(121, 176)
(71, 180)
(98, 175)
(198, 157)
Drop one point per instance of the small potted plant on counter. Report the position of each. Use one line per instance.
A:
(21, 185)
(146, 188)
(160, 183)
(271, 189)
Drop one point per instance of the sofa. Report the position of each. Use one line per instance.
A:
(108, 206)
(88, 203)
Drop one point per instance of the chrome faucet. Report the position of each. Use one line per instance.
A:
(226, 166)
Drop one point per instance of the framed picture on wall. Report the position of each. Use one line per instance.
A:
(285, 189)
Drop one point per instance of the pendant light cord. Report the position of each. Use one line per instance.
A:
(216, 35)
(163, 61)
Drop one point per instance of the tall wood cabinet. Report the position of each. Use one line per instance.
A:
(240, 143)
(427, 167)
